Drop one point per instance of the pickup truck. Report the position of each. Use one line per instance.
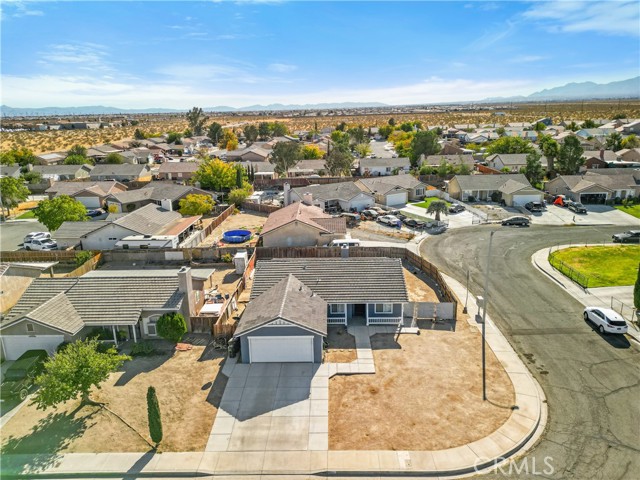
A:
(19, 377)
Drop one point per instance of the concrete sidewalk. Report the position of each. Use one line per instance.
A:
(593, 297)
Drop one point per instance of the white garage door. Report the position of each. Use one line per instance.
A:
(16, 345)
(524, 199)
(399, 198)
(361, 202)
(281, 349)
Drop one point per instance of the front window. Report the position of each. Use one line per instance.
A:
(30, 328)
(384, 308)
(151, 325)
(337, 308)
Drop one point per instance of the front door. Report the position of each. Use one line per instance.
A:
(359, 310)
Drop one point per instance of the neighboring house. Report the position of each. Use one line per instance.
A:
(597, 133)
(300, 225)
(121, 172)
(513, 161)
(166, 194)
(100, 152)
(294, 300)
(261, 170)
(137, 156)
(514, 188)
(177, 170)
(374, 167)
(15, 278)
(250, 154)
(10, 171)
(54, 310)
(345, 196)
(594, 159)
(90, 194)
(149, 220)
(56, 173)
(629, 154)
(305, 168)
(633, 127)
(460, 159)
(394, 190)
(596, 187)
(53, 158)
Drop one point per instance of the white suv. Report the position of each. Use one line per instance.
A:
(36, 236)
(606, 320)
(44, 244)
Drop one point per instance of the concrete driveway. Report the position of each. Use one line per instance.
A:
(273, 407)
(596, 215)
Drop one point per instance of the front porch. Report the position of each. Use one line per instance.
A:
(365, 314)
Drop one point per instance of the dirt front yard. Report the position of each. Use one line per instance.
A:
(341, 346)
(240, 221)
(426, 393)
(188, 406)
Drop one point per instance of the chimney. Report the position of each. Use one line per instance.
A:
(167, 204)
(307, 198)
(602, 154)
(185, 286)
(287, 194)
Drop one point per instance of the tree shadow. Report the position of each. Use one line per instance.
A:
(216, 389)
(445, 325)
(142, 364)
(39, 449)
(385, 341)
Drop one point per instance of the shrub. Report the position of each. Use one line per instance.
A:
(496, 197)
(153, 415)
(83, 256)
(142, 349)
(171, 326)
(471, 198)
(227, 258)
(62, 346)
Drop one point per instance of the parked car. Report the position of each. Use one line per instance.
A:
(534, 206)
(44, 244)
(390, 220)
(577, 207)
(456, 208)
(95, 213)
(36, 236)
(352, 219)
(520, 221)
(380, 210)
(19, 377)
(369, 214)
(607, 320)
(630, 236)
(413, 223)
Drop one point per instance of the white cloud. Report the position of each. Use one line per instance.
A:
(527, 59)
(86, 55)
(282, 67)
(607, 17)
(22, 9)
(495, 35)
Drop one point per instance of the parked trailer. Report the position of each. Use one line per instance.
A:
(148, 241)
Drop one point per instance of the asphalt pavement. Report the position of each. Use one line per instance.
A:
(12, 233)
(591, 381)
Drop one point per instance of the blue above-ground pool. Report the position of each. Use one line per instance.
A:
(236, 236)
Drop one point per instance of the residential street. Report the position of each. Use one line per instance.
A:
(592, 382)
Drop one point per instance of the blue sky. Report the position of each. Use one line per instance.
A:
(180, 54)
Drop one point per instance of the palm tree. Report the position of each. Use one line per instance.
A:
(438, 207)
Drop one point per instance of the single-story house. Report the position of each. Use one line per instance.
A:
(629, 154)
(10, 171)
(100, 152)
(374, 167)
(149, 220)
(52, 158)
(90, 194)
(166, 194)
(514, 188)
(250, 154)
(123, 172)
(55, 173)
(393, 190)
(300, 225)
(460, 159)
(54, 310)
(631, 127)
(513, 161)
(594, 187)
(304, 168)
(346, 196)
(261, 170)
(137, 155)
(177, 170)
(294, 300)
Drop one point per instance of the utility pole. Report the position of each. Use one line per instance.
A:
(466, 299)
(484, 319)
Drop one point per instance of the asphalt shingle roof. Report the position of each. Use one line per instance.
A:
(489, 182)
(148, 220)
(338, 280)
(61, 169)
(175, 167)
(307, 214)
(290, 300)
(331, 191)
(79, 229)
(119, 169)
(71, 188)
(385, 162)
(157, 191)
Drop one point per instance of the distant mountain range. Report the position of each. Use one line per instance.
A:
(571, 91)
(580, 91)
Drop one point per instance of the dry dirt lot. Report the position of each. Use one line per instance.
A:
(417, 289)
(240, 221)
(426, 394)
(341, 345)
(188, 407)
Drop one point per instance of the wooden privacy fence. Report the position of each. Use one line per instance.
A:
(260, 207)
(65, 256)
(87, 266)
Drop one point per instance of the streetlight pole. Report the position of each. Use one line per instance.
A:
(466, 299)
(484, 319)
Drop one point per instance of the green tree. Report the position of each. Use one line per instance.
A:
(510, 145)
(114, 158)
(251, 133)
(636, 291)
(500, 130)
(188, 133)
(171, 326)
(264, 130)
(385, 131)
(174, 137)
(357, 134)
(341, 127)
(153, 416)
(550, 149)
(339, 162)
(196, 204)
(533, 170)
(12, 192)
(279, 129)
(77, 160)
(425, 143)
(463, 169)
(406, 126)
(614, 141)
(632, 141)
(229, 140)
(22, 156)
(284, 156)
(238, 195)
(573, 126)
(570, 156)
(75, 370)
(539, 127)
(139, 134)
(438, 207)
(77, 150)
(588, 123)
(215, 132)
(52, 213)
(32, 177)
(196, 120)
(363, 149)
(311, 152)
(444, 169)
(392, 122)
(214, 174)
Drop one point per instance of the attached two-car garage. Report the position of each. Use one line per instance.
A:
(281, 349)
(13, 346)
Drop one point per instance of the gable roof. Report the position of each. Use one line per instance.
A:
(436, 160)
(511, 186)
(181, 167)
(306, 214)
(58, 313)
(399, 162)
(390, 182)
(489, 182)
(148, 220)
(509, 158)
(331, 191)
(9, 170)
(61, 169)
(72, 188)
(157, 191)
(339, 280)
(119, 169)
(79, 229)
(290, 300)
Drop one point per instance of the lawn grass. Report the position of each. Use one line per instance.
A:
(602, 266)
(27, 214)
(427, 202)
(631, 210)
